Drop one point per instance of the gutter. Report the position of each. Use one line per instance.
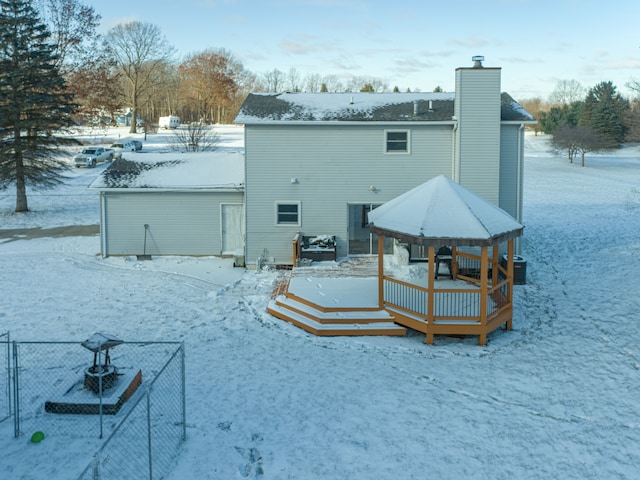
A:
(347, 122)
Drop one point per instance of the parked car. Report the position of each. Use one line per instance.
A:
(90, 157)
(120, 147)
(137, 144)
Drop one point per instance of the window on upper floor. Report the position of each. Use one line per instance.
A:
(288, 213)
(397, 141)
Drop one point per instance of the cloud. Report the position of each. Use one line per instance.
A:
(296, 48)
(412, 64)
(116, 21)
(473, 41)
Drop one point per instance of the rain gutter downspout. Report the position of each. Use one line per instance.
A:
(520, 181)
(454, 164)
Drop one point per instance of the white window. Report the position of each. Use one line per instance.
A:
(288, 213)
(396, 141)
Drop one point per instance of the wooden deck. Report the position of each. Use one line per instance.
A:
(341, 298)
(333, 299)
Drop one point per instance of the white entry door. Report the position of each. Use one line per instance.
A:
(232, 236)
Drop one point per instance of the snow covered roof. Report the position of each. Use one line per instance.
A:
(357, 107)
(442, 212)
(202, 170)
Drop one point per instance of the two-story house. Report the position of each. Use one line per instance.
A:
(317, 163)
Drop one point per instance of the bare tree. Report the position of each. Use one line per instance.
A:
(195, 137)
(535, 106)
(634, 85)
(294, 83)
(372, 84)
(333, 83)
(95, 86)
(313, 82)
(209, 83)
(139, 50)
(73, 31)
(274, 80)
(566, 92)
(577, 140)
(163, 97)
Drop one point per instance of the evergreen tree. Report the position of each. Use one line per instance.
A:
(605, 111)
(33, 103)
(557, 117)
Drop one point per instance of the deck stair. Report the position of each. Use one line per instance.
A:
(323, 321)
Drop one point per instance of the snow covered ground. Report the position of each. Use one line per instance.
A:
(557, 397)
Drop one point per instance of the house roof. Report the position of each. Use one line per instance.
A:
(443, 212)
(175, 171)
(358, 107)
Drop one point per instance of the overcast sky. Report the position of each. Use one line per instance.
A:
(414, 44)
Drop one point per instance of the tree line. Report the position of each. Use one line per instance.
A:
(583, 121)
(56, 71)
(133, 67)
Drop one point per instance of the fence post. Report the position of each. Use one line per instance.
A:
(184, 395)
(9, 374)
(149, 433)
(100, 374)
(16, 395)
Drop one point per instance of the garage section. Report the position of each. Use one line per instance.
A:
(171, 223)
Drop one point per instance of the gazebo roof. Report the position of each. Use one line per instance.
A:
(443, 212)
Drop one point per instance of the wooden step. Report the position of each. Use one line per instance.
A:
(381, 325)
(320, 315)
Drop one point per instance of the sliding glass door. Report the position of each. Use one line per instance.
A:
(361, 240)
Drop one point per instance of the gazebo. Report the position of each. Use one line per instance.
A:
(440, 213)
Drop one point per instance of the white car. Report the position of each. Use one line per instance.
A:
(120, 147)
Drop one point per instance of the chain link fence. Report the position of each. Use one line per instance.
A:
(124, 406)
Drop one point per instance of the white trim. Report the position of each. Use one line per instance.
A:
(386, 141)
(287, 202)
(343, 122)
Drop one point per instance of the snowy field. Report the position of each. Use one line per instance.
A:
(557, 397)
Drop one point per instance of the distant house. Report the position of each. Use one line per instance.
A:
(124, 119)
(317, 163)
(188, 204)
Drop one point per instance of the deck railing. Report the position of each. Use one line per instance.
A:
(449, 304)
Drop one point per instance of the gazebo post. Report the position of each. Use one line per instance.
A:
(484, 279)
(495, 277)
(380, 271)
(430, 293)
(454, 262)
(510, 253)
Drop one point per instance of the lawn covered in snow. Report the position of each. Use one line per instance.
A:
(557, 397)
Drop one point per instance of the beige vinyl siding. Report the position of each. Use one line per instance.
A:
(333, 165)
(180, 223)
(477, 108)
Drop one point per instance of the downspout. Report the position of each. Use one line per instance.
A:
(103, 225)
(454, 165)
(520, 174)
